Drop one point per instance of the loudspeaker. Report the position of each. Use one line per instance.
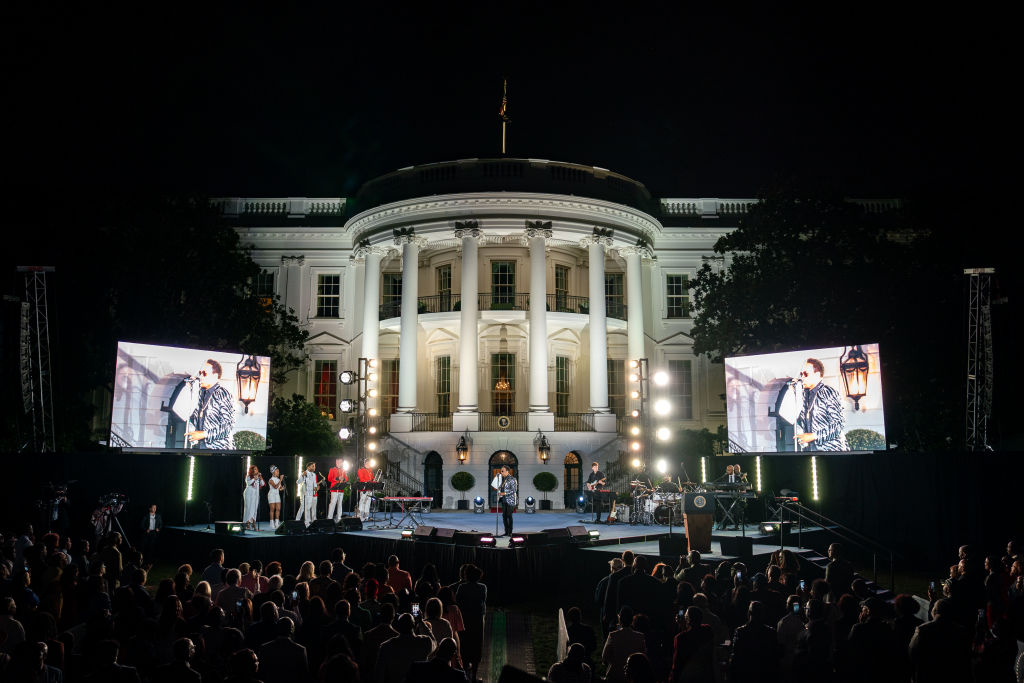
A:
(291, 527)
(579, 532)
(350, 524)
(323, 526)
(443, 535)
(559, 535)
(674, 545)
(739, 546)
(422, 532)
(235, 528)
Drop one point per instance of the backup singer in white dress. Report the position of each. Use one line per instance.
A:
(274, 497)
(253, 482)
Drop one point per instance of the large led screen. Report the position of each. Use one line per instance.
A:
(814, 400)
(169, 397)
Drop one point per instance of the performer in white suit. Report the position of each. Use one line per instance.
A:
(308, 493)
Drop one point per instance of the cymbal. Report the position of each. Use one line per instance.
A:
(636, 482)
(689, 483)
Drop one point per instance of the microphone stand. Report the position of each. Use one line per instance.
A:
(497, 508)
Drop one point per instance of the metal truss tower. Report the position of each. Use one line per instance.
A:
(35, 359)
(979, 357)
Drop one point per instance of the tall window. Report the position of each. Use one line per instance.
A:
(617, 387)
(389, 386)
(681, 388)
(561, 386)
(265, 287)
(503, 282)
(325, 387)
(391, 301)
(503, 383)
(443, 277)
(613, 295)
(328, 296)
(678, 296)
(561, 288)
(443, 385)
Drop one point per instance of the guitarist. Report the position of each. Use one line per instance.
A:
(595, 480)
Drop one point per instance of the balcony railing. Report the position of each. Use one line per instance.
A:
(574, 422)
(431, 422)
(510, 422)
(519, 301)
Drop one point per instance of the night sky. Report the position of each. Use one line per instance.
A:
(315, 100)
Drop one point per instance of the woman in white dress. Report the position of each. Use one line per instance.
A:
(253, 482)
(274, 497)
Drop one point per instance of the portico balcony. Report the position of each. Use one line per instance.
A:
(518, 301)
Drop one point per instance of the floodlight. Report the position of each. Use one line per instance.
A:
(634, 413)
(344, 433)
(372, 429)
(634, 395)
(372, 393)
(634, 430)
(633, 377)
(636, 463)
(664, 433)
(478, 505)
(531, 504)
(661, 378)
(662, 465)
(346, 377)
(371, 446)
(635, 445)
(662, 407)
(634, 363)
(347, 405)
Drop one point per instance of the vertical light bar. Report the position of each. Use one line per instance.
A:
(757, 462)
(191, 477)
(814, 477)
(248, 464)
(703, 469)
(298, 480)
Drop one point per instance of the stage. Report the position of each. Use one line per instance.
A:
(559, 553)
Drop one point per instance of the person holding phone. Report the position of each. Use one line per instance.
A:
(693, 648)
(790, 626)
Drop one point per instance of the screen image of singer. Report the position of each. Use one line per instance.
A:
(807, 401)
(166, 397)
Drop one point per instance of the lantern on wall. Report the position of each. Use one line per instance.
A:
(543, 447)
(854, 367)
(247, 373)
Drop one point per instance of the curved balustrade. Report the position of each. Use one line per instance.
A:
(519, 301)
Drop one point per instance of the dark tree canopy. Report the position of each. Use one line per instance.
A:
(813, 272)
(297, 427)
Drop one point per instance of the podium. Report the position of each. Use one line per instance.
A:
(699, 518)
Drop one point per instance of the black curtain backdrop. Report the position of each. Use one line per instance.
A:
(922, 506)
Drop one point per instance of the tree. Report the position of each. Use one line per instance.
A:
(811, 272)
(297, 427)
(159, 271)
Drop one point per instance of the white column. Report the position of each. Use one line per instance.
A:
(598, 327)
(468, 416)
(410, 322)
(371, 299)
(537, 234)
(634, 302)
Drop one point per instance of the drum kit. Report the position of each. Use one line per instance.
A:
(651, 505)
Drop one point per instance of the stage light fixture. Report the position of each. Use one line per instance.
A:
(345, 465)
(664, 433)
(373, 463)
(634, 413)
(635, 445)
(372, 393)
(406, 533)
(757, 466)
(344, 433)
(634, 430)
(636, 463)
(662, 465)
(347, 405)
(372, 377)
(488, 541)
(769, 527)
(531, 504)
(703, 468)
(514, 541)
(372, 362)
(371, 445)
(661, 378)
(371, 429)
(662, 407)
(633, 377)
(373, 412)
(633, 363)
(594, 534)
(478, 505)
(635, 395)
(581, 504)
(191, 476)
(814, 477)
(346, 377)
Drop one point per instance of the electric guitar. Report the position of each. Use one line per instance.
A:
(611, 515)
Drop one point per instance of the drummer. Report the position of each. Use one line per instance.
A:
(668, 486)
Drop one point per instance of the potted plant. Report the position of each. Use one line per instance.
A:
(463, 481)
(584, 307)
(545, 482)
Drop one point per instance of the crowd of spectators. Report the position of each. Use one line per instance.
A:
(694, 623)
(71, 612)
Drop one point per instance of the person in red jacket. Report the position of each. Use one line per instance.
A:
(365, 474)
(336, 475)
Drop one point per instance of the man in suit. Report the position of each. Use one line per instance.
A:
(640, 590)
(755, 649)
(620, 645)
(396, 656)
(150, 527)
(941, 648)
(611, 601)
(838, 573)
(376, 636)
(180, 669)
(693, 652)
(282, 660)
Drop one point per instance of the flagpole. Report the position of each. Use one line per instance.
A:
(503, 113)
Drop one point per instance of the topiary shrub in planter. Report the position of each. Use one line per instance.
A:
(545, 482)
(462, 482)
(856, 439)
(249, 441)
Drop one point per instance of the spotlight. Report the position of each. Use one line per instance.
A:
(346, 405)
(769, 527)
(531, 504)
(488, 541)
(478, 505)
(595, 535)
(373, 412)
(664, 433)
(634, 430)
(636, 463)
(516, 541)
(634, 413)
(344, 433)
(581, 505)
(371, 446)
(633, 377)
(662, 465)
(406, 533)
(661, 378)
(346, 377)
(373, 463)
(634, 395)
(372, 362)
(345, 466)
(372, 393)
(372, 377)
(662, 407)
(372, 429)
(635, 445)
(634, 363)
